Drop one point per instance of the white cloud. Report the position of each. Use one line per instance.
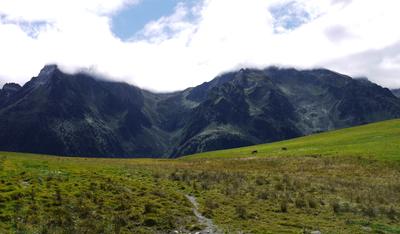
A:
(168, 26)
(337, 33)
(381, 65)
(178, 51)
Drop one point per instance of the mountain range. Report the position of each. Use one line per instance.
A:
(80, 115)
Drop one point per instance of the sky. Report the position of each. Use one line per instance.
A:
(167, 45)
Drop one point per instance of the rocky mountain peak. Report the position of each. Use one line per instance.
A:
(11, 87)
(8, 90)
(46, 74)
(48, 69)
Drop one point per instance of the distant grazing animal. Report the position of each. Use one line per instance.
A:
(254, 152)
(284, 148)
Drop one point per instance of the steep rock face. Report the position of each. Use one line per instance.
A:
(325, 100)
(364, 103)
(242, 110)
(58, 113)
(254, 106)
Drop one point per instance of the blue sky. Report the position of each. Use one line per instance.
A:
(129, 21)
(168, 45)
(289, 16)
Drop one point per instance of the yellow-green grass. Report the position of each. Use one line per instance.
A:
(335, 183)
(378, 141)
(49, 194)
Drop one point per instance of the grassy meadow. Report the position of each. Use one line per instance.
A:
(378, 141)
(346, 181)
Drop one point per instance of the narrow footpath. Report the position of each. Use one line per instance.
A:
(210, 228)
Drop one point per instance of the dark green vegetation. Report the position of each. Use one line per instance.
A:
(78, 115)
(297, 186)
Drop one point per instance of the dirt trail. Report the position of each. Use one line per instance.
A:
(210, 228)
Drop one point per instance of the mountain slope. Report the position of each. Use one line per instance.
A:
(58, 113)
(256, 106)
(396, 92)
(76, 115)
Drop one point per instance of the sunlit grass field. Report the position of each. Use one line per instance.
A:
(380, 141)
(346, 181)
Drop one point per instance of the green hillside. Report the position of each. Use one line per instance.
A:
(379, 141)
(347, 181)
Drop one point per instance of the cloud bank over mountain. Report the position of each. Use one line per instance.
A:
(199, 41)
